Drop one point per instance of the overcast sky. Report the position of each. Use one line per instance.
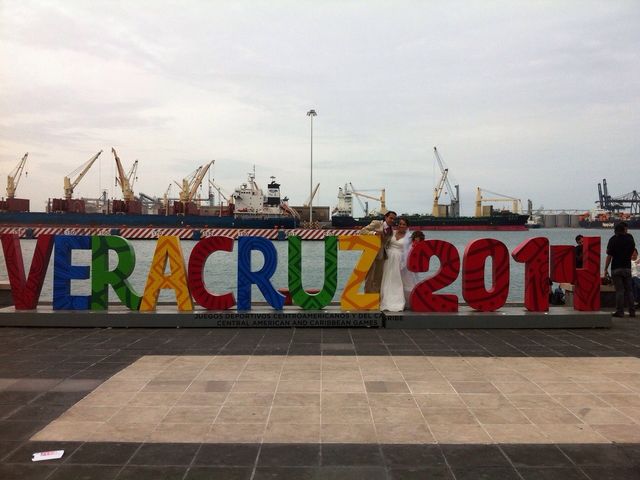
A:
(536, 100)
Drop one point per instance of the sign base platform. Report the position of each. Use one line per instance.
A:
(166, 316)
(506, 317)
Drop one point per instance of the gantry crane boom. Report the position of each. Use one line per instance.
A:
(13, 179)
(365, 209)
(165, 199)
(381, 198)
(311, 197)
(219, 190)
(132, 176)
(197, 181)
(185, 187)
(126, 181)
(192, 182)
(69, 185)
(438, 191)
(450, 190)
(516, 203)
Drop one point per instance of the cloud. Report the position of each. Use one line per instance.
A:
(518, 96)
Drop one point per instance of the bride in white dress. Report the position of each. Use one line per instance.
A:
(392, 297)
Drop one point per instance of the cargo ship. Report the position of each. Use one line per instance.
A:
(146, 217)
(448, 218)
(599, 219)
(497, 221)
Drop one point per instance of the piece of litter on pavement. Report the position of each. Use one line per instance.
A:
(51, 455)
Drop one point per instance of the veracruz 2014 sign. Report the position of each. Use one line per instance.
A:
(543, 262)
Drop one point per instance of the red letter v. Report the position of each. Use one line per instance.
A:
(26, 292)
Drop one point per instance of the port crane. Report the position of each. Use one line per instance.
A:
(192, 182)
(311, 197)
(165, 199)
(516, 204)
(13, 179)
(381, 199)
(126, 181)
(629, 200)
(364, 206)
(605, 200)
(81, 171)
(440, 210)
(219, 190)
(436, 194)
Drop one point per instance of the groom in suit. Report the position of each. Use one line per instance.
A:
(384, 229)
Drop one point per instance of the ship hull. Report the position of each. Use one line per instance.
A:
(494, 222)
(101, 220)
(633, 223)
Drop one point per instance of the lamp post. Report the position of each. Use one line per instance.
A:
(311, 113)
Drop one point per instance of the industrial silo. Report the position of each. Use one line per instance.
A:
(562, 220)
(549, 220)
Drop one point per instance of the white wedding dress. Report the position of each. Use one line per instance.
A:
(392, 290)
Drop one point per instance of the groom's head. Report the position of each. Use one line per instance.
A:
(390, 218)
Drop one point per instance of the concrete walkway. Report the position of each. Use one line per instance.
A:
(361, 403)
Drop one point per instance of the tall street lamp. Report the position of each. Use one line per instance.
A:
(311, 114)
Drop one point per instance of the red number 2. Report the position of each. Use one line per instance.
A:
(422, 297)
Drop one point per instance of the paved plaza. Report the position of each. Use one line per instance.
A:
(325, 404)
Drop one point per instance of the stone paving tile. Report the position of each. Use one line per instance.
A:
(527, 434)
(11, 397)
(236, 455)
(152, 473)
(235, 433)
(300, 415)
(289, 455)
(405, 433)
(219, 473)
(100, 453)
(413, 455)
(26, 472)
(493, 473)
(460, 434)
(418, 473)
(347, 415)
(405, 400)
(191, 414)
(336, 454)
(179, 432)
(90, 472)
(536, 456)
(351, 473)
(292, 433)
(350, 433)
(165, 454)
(20, 430)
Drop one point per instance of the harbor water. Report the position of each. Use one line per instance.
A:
(221, 267)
